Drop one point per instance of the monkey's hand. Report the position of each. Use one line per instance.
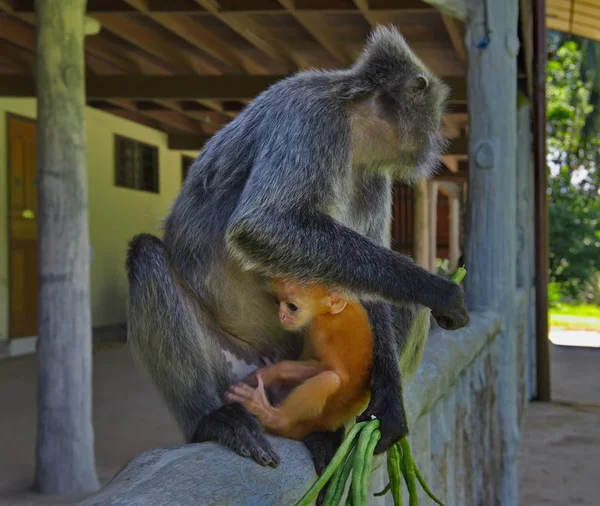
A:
(453, 314)
(385, 406)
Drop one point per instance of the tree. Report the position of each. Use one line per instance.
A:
(574, 160)
(65, 439)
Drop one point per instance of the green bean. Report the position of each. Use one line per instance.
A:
(459, 275)
(338, 481)
(393, 466)
(366, 473)
(409, 468)
(313, 491)
(425, 487)
(359, 460)
(385, 490)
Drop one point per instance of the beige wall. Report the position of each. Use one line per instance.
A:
(116, 214)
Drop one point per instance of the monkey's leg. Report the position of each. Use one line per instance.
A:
(387, 398)
(171, 334)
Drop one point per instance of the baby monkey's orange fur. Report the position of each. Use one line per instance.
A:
(334, 376)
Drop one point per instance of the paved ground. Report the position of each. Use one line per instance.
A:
(129, 418)
(560, 453)
(559, 462)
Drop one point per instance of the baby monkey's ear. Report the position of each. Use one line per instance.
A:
(337, 301)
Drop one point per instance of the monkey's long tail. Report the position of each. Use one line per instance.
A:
(167, 333)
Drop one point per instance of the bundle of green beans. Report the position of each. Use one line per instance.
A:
(358, 460)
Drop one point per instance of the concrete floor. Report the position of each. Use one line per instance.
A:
(559, 459)
(129, 418)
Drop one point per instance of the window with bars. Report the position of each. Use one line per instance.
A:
(136, 165)
(186, 162)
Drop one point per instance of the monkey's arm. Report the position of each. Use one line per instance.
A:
(280, 239)
(301, 411)
(312, 246)
(290, 371)
(285, 372)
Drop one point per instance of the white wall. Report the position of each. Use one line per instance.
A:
(116, 214)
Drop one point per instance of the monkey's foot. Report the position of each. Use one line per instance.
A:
(233, 426)
(387, 406)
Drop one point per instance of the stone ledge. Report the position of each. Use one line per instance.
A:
(209, 474)
(446, 356)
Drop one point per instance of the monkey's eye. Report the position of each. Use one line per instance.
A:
(292, 307)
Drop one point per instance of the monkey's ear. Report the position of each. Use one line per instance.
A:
(337, 302)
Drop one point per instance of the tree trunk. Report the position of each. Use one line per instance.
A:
(65, 439)
(493, 44)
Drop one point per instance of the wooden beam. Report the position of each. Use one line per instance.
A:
(245, 26)
(97, 46)
(192, 87)
(194, 33)
(166, 116)
(454, 230)
(147, 40)
(315, 24)
(446, 174)
(155, 87)
(454, 8)
(187, 142)
(459, 146)
(421, 224)
(456, 32)
(433, 220)
(17, 33)
(240, 7)
(543, 375)
(20, 58)
(450, 189)
(526, 18)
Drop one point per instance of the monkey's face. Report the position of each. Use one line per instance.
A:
(398, 128)
(292, 315)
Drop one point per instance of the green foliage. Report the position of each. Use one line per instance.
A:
(574, 160)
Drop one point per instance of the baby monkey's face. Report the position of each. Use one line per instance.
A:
(292, 315)
(299, 304)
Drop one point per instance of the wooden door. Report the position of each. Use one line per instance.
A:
(22, 227)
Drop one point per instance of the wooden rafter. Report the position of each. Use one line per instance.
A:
(456, 32)
(241, 7)
(458, 146)
(380, 13)
(314, 24)
(244, 25)
(147, 40)
(191, 87)
(194, 33)
(174, 120)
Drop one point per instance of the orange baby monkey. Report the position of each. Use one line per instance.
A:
(334, 377)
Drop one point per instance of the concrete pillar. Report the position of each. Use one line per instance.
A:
(65, 437)
(493, 45)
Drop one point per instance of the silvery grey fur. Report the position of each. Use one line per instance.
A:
(299, 183)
